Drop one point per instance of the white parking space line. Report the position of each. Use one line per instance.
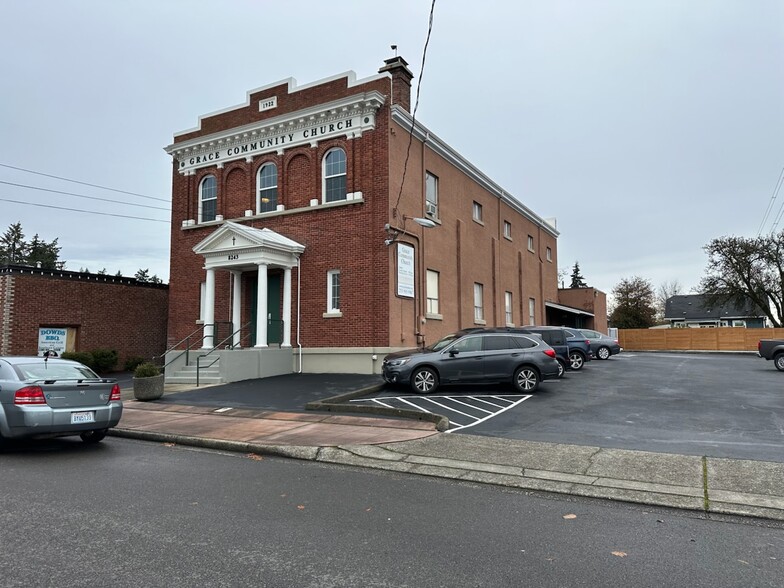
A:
(447, 406)
(522, 399)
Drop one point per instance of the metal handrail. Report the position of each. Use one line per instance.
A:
(188, 345)
(215, 347)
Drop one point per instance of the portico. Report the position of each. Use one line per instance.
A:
(238, 249)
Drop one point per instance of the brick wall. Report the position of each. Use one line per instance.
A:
(122, 315)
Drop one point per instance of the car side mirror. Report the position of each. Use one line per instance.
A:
(453, 352)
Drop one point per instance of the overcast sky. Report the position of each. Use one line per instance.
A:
(646, 128)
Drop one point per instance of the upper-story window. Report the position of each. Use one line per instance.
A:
(549, 254)
(477, 212)
(268, 188)
(208, 199)
(507, 229)
(530, 243)
(431, 195)
(334, 175)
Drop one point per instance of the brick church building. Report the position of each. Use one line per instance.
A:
(318, 227)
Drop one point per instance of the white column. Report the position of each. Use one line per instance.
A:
(209, 310)
(261, 308)
(236, 308)
(286, 308)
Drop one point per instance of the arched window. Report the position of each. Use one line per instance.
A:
(208, 199)
(335, 175)
(268, 188)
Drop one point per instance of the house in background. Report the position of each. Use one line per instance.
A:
(692, 310)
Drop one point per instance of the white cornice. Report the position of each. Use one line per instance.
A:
(291, 87)
(404, 119)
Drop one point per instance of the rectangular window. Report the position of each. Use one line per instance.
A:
(431, 195)
(549, 254)
(531, 311)
(479, 309)
(477, 212)
(530, 243)
(508, 230)
(508, 308)
(432, 292)
(333, 291)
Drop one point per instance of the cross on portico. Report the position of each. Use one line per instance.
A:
(234, 240)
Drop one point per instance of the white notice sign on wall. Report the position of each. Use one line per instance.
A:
(405, 270)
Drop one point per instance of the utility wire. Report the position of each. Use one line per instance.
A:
(771, 203)
(84, 211)
(29, 171)
(82, 196)
(416, 104)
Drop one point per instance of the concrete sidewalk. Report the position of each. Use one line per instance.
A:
(728, 486)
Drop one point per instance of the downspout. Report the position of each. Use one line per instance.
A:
(299, 314)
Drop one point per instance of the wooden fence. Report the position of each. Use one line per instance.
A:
(718, 339)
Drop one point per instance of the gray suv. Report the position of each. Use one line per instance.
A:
(474, 356)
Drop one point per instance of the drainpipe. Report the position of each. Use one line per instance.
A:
(299, 315)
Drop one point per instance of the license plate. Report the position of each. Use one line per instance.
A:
(82, 417)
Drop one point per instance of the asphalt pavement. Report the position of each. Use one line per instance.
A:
(332, 429)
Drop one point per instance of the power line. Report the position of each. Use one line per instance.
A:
(771, 203)
(81, 195)
(84, 211)
(29, 171)
(416, 104)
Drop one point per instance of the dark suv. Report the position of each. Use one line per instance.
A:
(474, 355)
(572, 351)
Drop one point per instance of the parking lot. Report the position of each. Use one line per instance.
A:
(718, 405)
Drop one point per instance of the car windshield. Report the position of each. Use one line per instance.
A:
(439, 345)
(54, 371)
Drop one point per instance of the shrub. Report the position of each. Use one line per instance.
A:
(84, 357)
(133, 362)
(105, 360)
(146, 370)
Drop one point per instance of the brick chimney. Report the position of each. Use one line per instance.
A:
(401, 81)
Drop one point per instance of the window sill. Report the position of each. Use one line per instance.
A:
(479, 221)
(434, 317)
(480, 322)
(508, 238)
(332, 314)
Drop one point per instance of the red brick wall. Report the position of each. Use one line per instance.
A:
(128, 318)
(349, 238)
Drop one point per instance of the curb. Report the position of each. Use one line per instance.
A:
(385, 457)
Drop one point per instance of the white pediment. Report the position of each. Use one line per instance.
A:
(236, 238)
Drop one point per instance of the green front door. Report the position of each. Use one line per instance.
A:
(274, 324)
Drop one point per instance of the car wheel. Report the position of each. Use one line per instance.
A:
(779, 361)
(424, 380)
(603, 353)
(94, 436)
(576, 360)
(561, 368)
(526, 379)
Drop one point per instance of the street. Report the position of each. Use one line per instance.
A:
(133, 513)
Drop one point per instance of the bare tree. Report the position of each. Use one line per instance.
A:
(747, 272)
(666, 290)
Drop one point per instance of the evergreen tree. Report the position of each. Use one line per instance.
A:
(577, 280)
(43, 254)
(13, 248)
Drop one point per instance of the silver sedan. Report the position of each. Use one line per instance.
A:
(45, 397)
(602, 346)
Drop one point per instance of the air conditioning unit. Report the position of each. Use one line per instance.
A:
(430, 208)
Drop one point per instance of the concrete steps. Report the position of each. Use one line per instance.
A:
(187, 375)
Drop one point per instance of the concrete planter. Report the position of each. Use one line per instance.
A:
(148, 388)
